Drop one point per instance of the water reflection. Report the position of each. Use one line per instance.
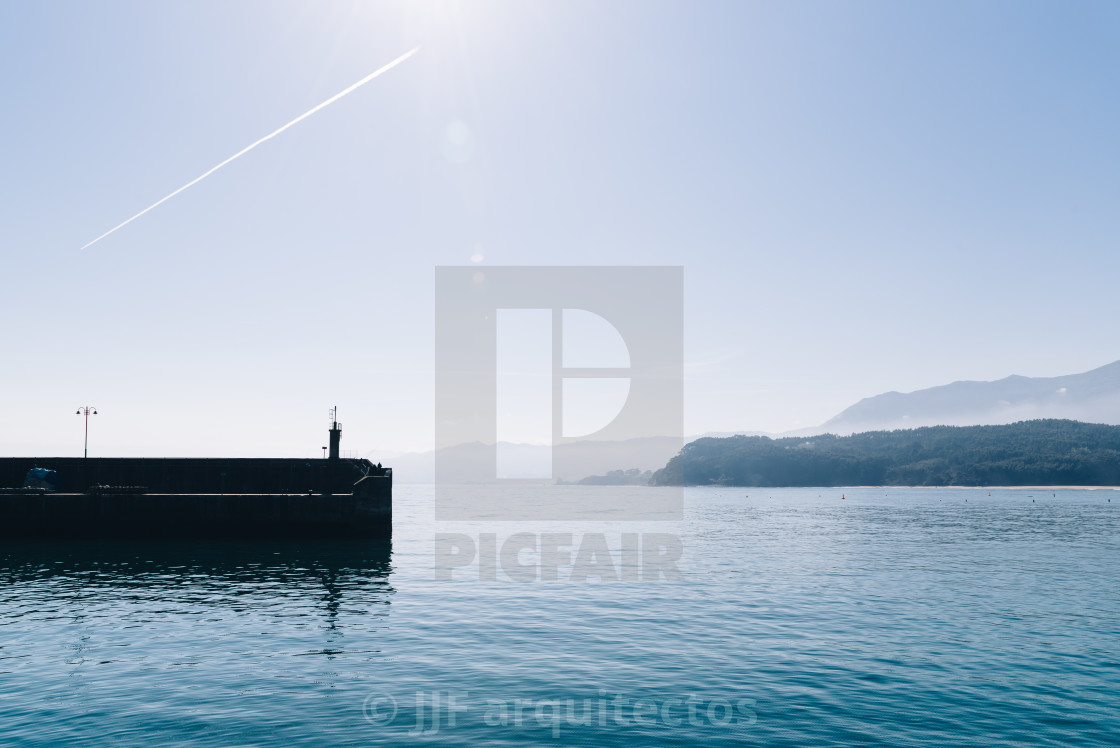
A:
(264, 577)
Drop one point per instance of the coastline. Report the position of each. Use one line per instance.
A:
(954, 487)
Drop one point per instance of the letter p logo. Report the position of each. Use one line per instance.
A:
(554, 374)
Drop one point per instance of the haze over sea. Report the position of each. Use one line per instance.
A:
(891, 617)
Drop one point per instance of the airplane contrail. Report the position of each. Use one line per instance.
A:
(270, 136)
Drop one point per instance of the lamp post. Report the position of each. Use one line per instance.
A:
(86, 410)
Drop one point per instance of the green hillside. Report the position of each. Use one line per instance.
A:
(1045, 452)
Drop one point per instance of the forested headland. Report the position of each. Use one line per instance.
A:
(1043, 452)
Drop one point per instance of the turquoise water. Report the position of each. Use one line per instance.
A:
(891, 617)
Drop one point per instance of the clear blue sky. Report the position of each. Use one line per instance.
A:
(865, 197)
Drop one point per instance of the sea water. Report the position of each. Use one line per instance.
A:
(870, 616)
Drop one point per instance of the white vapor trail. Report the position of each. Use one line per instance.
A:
(270, 136)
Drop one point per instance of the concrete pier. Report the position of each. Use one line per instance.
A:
(198, 498)
(110, 516)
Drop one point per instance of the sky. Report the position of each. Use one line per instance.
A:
(864, 196)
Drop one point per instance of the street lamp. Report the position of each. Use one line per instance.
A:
(86, 410)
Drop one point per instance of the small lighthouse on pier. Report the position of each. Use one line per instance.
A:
(336, 433)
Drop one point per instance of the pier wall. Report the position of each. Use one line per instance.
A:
(240, 516)
(198, 498)
(194, 475)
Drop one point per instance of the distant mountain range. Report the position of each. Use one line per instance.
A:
(475, 462)
(1092, 397)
